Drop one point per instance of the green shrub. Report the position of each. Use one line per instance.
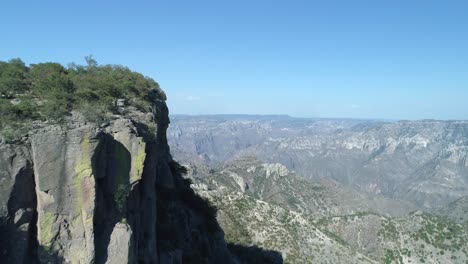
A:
(96, 113)
(13, 78)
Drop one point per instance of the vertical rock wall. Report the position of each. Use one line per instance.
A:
(87, 194)
(65, 191)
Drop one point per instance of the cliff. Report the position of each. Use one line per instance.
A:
(81, 192)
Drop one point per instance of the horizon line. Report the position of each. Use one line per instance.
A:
(337, 118)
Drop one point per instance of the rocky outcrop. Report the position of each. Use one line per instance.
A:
(119, 249)
(87, 193)
(275, 169)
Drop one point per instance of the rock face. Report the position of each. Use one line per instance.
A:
(83, 193)
(65, 189)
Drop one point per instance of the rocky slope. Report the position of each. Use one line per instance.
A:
(457, 210)
(247, 221)
(319, 222)
(417, 238)
(275, 184)
(108, 193)
(251, 221)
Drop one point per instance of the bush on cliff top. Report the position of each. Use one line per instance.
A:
(49, 91)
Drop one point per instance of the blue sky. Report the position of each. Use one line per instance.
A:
(359, 59)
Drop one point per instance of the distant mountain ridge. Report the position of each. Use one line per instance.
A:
(422, 162)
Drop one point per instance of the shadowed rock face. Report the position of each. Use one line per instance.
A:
(84, 193)
(17, 204)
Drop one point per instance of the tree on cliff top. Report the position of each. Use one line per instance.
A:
(13, 77)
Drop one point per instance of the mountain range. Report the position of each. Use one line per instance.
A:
(332, 190)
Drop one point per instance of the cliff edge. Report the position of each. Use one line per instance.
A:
(83, 192)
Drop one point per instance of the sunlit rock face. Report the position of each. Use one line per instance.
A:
(65, 191)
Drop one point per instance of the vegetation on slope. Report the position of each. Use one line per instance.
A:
(253, 210)
(284, 213)
(49, 91)
(417, 238)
